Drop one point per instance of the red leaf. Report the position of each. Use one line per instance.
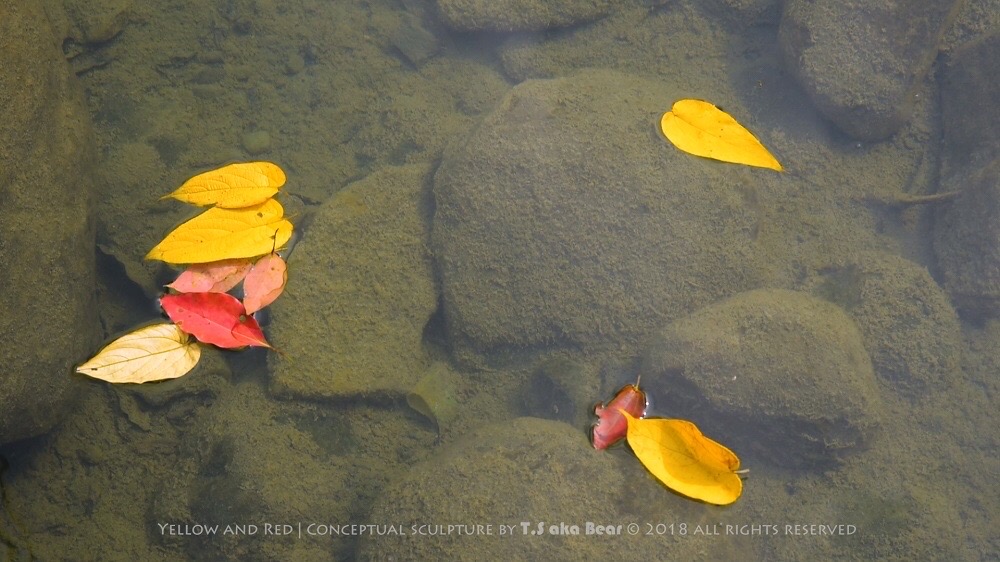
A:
(264, 282)
(215, 318)
(212, 277)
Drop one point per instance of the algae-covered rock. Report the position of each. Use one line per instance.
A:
(519, 15)
(967, 231)
(96, 22)
(565, 219)
(259, 462)
(519, 474)
(969, 113)
(778, 374)
(907, 323)
(862, 64)
(562, 388)
(360, 291)
(47, 283)
(966, 236)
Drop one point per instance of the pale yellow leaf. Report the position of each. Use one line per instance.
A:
(219, 234)
(232, 187)
(698, 127)
(157, 352)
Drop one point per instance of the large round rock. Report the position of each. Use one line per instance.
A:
(361, 291)
(567, 219)
(909, 327)
(862, 64)
(782, 373)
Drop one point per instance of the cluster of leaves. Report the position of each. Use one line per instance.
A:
(232, 242)
(674, 451)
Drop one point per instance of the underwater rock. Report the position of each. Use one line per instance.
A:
(965, 242)
(256, 143)
(778, 375)
(259, 461)
(360, 291)
(413, 41)
(563, 389)
(524, 470)
(746, 13)
(49, 319)
(125, 231)
(861, 64)
(966, 230)
(92, 22)
(519, 15)
(970, 116)
(907, 323)
(565, 219)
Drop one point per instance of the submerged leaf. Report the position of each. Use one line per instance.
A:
(698, 127)
(219, 234)
(436, 396)
(157, 352)
(677, 454)
(232, 187)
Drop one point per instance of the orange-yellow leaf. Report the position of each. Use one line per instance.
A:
(698, 127)
(264, 283)
(232, 187)
(219, 234)
(677, 454)
(157, 352)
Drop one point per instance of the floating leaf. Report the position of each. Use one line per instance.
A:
(232, 187)
(215, 318)
(677, 454)
(219, 234)
(611, 426)
(698, 127)
(212, 277)
(157, 352)
(264, 283)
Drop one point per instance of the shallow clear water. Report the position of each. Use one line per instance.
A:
(493, 236)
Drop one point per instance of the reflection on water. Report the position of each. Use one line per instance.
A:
(494, 237)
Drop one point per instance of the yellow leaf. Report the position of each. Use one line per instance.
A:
(232, 187)
(683, 459)
(698, 127)
(219, 234)
(157, 352)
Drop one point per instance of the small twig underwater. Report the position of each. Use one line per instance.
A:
(907, 199)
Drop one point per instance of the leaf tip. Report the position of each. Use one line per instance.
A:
(155, 254)
(628, 417)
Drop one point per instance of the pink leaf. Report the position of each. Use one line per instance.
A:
(264, 283)
(212, 277)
